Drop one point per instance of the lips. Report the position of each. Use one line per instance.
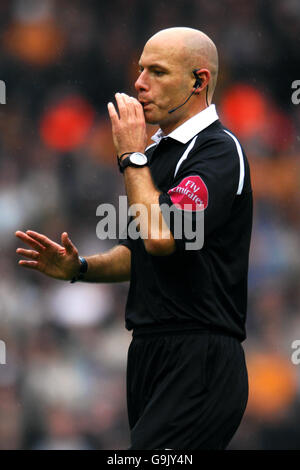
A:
(145, 103)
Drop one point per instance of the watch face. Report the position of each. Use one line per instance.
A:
(138, 158)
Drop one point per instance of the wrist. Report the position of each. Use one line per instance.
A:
(83, 267)
(133, 159)
(122, 155)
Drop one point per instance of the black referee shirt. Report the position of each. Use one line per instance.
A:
(202, 164)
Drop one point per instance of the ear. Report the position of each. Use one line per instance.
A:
(202, 77)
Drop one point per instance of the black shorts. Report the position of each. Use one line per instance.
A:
(185, 390)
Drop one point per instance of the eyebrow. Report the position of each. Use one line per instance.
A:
(155, 65)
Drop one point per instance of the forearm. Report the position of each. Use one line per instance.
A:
(154, 231)
(111, 266)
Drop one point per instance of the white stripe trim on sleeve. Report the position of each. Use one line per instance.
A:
(242, 166)
(149, 146)
(185, 155)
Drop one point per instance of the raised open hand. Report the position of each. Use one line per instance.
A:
(48, 257)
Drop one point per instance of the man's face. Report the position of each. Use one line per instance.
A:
(164, 83)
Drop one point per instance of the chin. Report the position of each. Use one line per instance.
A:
(151, 120)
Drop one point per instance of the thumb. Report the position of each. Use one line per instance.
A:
(70, 248)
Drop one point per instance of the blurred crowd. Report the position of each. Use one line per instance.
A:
(63, 386)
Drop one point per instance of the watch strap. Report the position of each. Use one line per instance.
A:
(127, 162)
(119, 159)
(82, 270)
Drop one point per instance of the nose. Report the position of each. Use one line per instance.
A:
(141, 82)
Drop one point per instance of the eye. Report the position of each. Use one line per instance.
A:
(158, 73)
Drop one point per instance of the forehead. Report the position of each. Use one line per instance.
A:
(162, 53)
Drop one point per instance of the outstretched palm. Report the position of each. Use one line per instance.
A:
(48, 257)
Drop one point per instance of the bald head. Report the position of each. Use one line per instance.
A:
(192, 48)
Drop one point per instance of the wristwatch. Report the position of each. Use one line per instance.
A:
(82, 270)
(135, 159)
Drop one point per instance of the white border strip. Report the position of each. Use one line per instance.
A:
(149, 146)
(185, 155)
(242, 166)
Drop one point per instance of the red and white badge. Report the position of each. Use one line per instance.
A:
(191, 194)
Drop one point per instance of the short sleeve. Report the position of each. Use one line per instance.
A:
(202, 191)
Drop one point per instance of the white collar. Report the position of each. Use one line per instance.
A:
(190, 128)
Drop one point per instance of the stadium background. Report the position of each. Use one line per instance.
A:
(64, 382)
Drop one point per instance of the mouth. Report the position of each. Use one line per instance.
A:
(145, 104)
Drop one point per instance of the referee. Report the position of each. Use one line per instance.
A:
(187, 385)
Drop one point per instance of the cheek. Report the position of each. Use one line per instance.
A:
(173, 93)
(163, 95)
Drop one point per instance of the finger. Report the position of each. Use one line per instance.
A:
(70, 248)
(28, 264)
(139, 110)
(130, 106)
(137, 107)
(121, 106)
(43, 240)
(30, 241)
(28, 253)
(113, 116)
(134, 107)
